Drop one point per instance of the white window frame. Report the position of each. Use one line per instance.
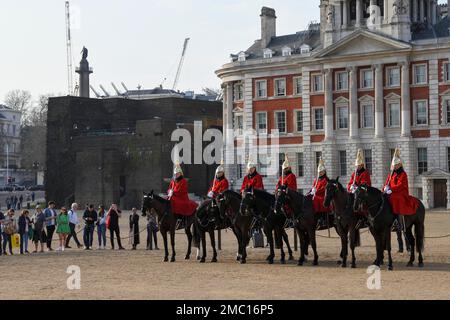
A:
(276, 112)
(238, 90)
(257, 90)
(242, 57)
(388, 77)
(314, 118)
(262, 131)
(415, 102)
(321, 83)
(296, 111)
(267, 54)
(415, 66)
(367, 104)
(305, 49)
(235, 124)
(445, 109)
(337, 80)
(275, 87)
(294, 83)
(338, 107)
(286, 52)
(389, 103)
(362, 73)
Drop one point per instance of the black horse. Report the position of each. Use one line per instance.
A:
(229, 203)
(261, 204)
(168, 222)
(347, 222)
(367, 195)
(208, 219)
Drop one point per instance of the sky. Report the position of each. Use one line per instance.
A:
(138, 42)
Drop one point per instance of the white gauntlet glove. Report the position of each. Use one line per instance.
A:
(170, 193)
(313, 191)
(389, 191)
(210, 194)
(353, 189)
(386, 189)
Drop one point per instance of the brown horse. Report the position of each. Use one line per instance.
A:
(168, 222)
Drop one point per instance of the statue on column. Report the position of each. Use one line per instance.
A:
(330, 14)
(400, 7)
(84, 53)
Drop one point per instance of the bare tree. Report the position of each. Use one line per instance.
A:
(20, 100)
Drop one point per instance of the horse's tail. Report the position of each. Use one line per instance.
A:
(419, 230)
(196, 234)
(357, 238)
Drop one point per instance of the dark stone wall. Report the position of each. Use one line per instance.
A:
(111, 150)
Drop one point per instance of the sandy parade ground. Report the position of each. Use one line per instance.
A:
(141, 274)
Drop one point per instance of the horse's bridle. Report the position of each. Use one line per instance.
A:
(370, 217)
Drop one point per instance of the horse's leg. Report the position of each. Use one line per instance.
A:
(269, 235)
(203, 237)
(279, 239)
(353, 241)
(340, 232)
(344, 247)
(245, 233)
(301, 235)
(412, 242)
(166, 249)
(419, 230)
(213, 244)
(188, 232)
(172, 242)
(286, 240)
(238, 234)
(379, 248)
(312, 237)
(389, 250)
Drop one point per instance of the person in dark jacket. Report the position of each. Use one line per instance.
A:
(89, 217)
(2, 217)
(24, 227)
(152, 231)
(114, 215)
(134, 228)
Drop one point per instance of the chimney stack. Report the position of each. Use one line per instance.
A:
(268, 26)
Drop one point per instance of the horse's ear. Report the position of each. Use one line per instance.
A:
(337, 179)
(144, 193)
(151, 193)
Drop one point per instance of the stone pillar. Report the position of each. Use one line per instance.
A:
(426, 194)
(353, 106)
(433, 12)
(422, 10)
(415, 8)
(228, 132)
(345, 14)
(358, 13)
(448, 194)
(329, 128)
(379, 102)
(385, 13)
(406, 103)
(428, 4)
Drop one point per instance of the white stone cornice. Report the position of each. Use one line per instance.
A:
(366, 98)
(392, 96)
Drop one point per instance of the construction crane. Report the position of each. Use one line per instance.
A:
(69, 51)
(115, 89)
(106, 92)
(180, 65)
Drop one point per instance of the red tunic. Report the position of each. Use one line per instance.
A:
(254, 181)
(180, 202)
(219, 186)
(361, 178)
(400, 200)
(290, 181)
(320, 195)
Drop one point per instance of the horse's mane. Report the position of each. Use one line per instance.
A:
(373, 190)
(264, 195)
(160, 199)
(233, 193)
(204, 204)
(340, 186)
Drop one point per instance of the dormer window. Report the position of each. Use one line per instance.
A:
(242, 56)
(267, 53)
(286, 51)
(305, 49)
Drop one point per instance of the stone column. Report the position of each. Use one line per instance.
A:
(385, 13)
(406, 103)
(415, 8)
(448, 194)
(379, 101)
(353, 106)
(422, 10)
(433, 12)
(228, 132)
(428, 4)
(358, 13)
(345, 14)
(426, 193)
(328, 123)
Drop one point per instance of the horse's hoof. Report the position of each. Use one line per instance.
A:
(410, 264)
(353, 265)
(188, 257)
(166, 259)
(202, 260)
(421, 265)
(268, 258)
(339, 262)
(243, 261)
(390, 268)
(238, 258)
(291, 257)
(283, 261)
(172, 259)
(344, 265)
(315, 263)
(270, 261)
(213, 260)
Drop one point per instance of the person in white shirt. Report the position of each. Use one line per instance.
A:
(73, 223)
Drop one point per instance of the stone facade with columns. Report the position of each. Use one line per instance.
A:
(372, 74)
